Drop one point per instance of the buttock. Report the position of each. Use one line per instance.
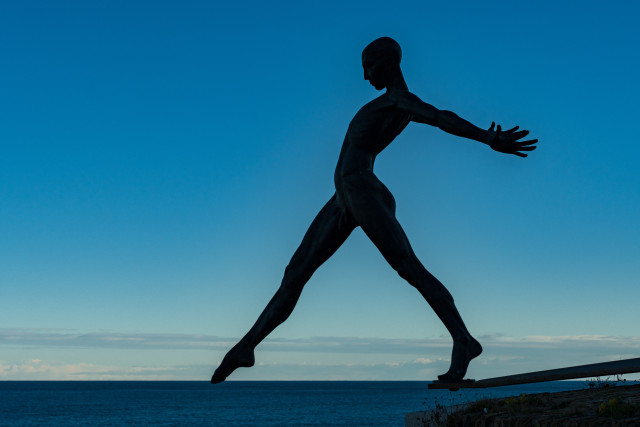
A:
(363, 191)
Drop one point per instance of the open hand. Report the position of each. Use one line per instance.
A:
(507, 141)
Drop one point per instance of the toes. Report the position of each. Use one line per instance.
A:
(217, 377)
(450, 376)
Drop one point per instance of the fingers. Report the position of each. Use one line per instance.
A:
(507, 141)
(519, 154)
(513, 135)
(513, 129)
(529, 142)
(520, 134)
(516, 135)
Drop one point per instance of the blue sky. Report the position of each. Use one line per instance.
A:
(161, 161)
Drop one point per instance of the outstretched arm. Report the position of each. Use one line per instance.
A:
(504, 142)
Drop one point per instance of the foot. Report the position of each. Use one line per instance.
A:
(236, 357)
(463, 352)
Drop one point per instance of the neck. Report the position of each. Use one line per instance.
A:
(397, 83)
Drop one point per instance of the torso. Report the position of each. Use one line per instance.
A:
(371, 130)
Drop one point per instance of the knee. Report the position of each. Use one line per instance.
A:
(294, 269)
(406, 268)
(294, 277)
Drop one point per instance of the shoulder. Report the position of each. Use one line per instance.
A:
(403, 98)
(419, 110)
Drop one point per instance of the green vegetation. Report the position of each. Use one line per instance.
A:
(617, 409)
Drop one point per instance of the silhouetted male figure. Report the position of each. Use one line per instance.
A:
(362, 200)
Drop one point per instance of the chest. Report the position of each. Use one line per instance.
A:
(377, 122)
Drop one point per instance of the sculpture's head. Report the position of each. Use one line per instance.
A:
(381, 61)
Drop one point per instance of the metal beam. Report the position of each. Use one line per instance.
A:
(626, 366)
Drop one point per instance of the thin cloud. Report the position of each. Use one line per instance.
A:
(418, 369)
(36, 369)
(52, 370)
(69, 339)
(377, 358)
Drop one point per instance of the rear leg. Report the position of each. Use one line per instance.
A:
(240, 356)
(326, 234)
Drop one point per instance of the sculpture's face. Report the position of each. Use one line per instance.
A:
(377, 70)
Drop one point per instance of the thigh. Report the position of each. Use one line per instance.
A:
(325, 235)
(373, 208)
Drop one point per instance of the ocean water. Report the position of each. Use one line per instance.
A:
(233, 403)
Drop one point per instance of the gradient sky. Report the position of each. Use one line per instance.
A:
(162, 160)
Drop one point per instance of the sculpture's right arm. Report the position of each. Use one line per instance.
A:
(509, 141)
(448, 121)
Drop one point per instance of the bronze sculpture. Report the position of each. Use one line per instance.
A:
(362, 200)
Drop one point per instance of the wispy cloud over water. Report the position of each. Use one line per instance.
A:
(65, 338)
(305, 358)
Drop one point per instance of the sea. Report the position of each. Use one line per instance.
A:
(234, 403)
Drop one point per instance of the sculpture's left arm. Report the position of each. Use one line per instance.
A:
(421, 112)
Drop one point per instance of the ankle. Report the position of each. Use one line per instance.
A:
(463, 338)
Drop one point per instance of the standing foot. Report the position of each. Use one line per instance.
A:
(463, 352)
(236, 357)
